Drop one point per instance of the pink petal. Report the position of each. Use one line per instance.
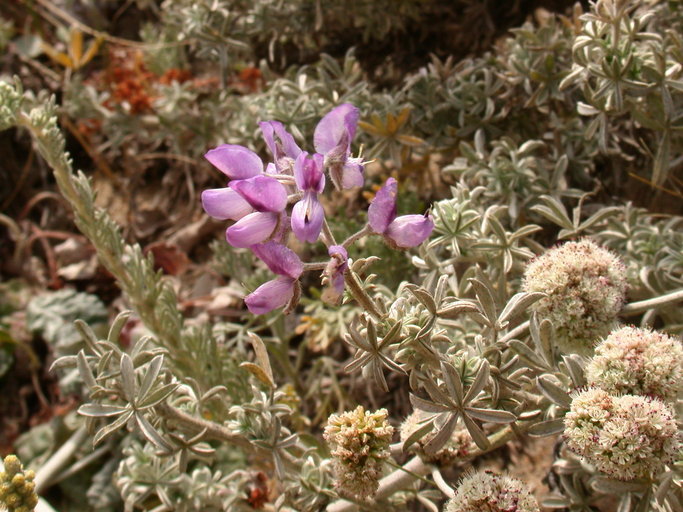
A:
(337, 125)
(382, 209)
(225, 203)
(236, 162)
(280, 259)
(307, 218)
(264, 193)
(252, 229)
(270, 295)
(410, 230)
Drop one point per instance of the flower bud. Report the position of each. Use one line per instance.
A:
(17, 490)
(585, 286)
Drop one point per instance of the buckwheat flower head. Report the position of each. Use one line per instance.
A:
(625, 437)
(459, 445)
(17, 489)
(638, 362)
(488, 492)
(359, 442)
(585, 286)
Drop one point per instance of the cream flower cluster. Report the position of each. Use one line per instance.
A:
(585, 286)
(488, 492)
(17, 489)
(638, 362)
(359, 442)
(625, 436)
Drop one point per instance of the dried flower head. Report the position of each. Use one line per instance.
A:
(638, 362)
(459, 445)
(585, 286)
(359, 442)
(488, 492)
(625, 436)
(17, 489)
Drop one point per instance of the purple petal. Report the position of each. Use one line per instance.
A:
(252, 229)
(308, 172)
(337, 125)
(264, 193)
(280, 259)
(382, 209)
(236, 162)
(352, 173)
(225, 203)
(410, 230)
(270, 295)
(285, 146)
(307, 218)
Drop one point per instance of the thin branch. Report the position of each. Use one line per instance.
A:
(56, 463)
(635, 308)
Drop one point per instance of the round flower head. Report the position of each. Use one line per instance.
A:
(488, 492)
(458, 445)
(17, 489)
(625, 436)
(359, 442)
(585, 287)
(638, 362)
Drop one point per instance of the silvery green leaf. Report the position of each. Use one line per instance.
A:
(427, 406)
(156, 396)
(479, 382)
(485, 296)
(490, 415)
(424, 297)
(454, 310)
(518, 305)
(442, 435)
(150, 432)
(84, 370)
(542, 334)
(417, 435)
(100, 410)
(109, 429)
(554, 211)
(664, 486)
(528, 355)
(436, 394)
(553, 392)
(262, 358)
(63, 362)
(547, 428)
(611, 486)
(575, 370)
(151, 375)
(87, 334)
(128, 377)
(117, 326)
(453, 382)
(555, 502)
(476, 432)
(600, 215)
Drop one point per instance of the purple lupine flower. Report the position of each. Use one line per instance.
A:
(332, 138)
(308, 213)
(281, 145)
(404, 231)
(283, 289)
(268, 197)
(334, 274)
